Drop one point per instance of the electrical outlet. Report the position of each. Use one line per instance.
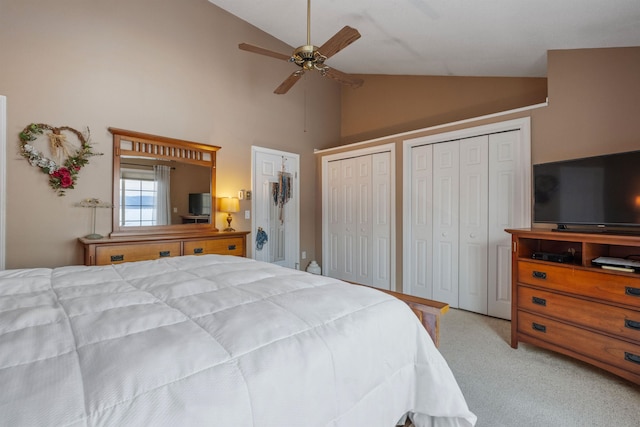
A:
(304, 254)
(247, 214)
(175, 210)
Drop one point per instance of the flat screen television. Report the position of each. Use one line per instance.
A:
(200, 203)
(601, 191)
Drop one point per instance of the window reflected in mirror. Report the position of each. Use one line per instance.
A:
(155, 192)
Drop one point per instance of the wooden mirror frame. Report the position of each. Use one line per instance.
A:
(131, 143)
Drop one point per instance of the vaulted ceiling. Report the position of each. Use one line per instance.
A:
(446, 37)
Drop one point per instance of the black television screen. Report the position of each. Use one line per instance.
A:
(601, 190)
(200, 203)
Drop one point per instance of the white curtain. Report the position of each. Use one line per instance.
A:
(163, 201)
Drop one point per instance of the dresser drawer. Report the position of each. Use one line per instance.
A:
(606, 318)
(617, 288)
(618, 353)
(115, 254)
(227, 246)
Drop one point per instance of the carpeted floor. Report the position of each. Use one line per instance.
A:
(530, 387)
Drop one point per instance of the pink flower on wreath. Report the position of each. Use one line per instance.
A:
(64, 176)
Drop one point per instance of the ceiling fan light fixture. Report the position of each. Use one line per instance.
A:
(309, 57)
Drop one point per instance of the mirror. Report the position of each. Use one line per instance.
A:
(161, 185)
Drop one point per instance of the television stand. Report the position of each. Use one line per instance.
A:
(577, 309)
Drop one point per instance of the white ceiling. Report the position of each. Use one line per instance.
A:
(446, 37)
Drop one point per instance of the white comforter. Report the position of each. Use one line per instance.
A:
(213, 341)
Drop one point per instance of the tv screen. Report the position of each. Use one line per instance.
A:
(200, 203)
(601, 190)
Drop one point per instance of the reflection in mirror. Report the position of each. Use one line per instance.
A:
(161, 185)
(159, 192)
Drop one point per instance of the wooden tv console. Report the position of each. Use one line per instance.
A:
(574, 308)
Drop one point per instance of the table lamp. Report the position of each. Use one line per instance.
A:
(229, 205)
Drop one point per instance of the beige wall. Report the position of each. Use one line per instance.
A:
(594, 108)
(594, 104)
(387, 105)
(169, 68)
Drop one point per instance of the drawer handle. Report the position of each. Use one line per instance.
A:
(632, 357)
(539, 301)
(198, 250)
(538, 327)
(165, 254)
(115, 258)
(632, 324)
(540, 275)
(232, 247)
(634, 292)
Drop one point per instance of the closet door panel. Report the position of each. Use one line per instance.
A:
(504, 212)
(446, 183)
(335, 218)
(421, 270)
(472, 282)
(381, 220)
(363, 215)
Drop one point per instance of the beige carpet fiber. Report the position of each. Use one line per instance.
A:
(530, 387)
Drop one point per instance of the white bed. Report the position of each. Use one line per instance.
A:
(214, 341)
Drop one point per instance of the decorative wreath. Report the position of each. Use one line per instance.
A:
(64, 173)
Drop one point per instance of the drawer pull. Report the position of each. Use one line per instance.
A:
(165, 254)
(634, 292)
(198, 250)
(632, 324)
(540, 275)
(232, 247)
(632, 357)
(115, 258)
(539, 301)
(538, 327)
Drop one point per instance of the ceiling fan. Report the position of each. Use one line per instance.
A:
(310, 57)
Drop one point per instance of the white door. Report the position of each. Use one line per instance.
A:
(421, 246)
(508, 208)
(471, 267)
(342, 261)
(381, 220)
(446, 178)
(276, 173)
(474, 201)
(359, 219)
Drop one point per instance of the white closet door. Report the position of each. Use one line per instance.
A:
(474, 201)
(363, 225)
(421, 265)
(342, 219)
(507, 206)
(446, 177)
(381, 220)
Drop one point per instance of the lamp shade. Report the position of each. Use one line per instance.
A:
(229, 204)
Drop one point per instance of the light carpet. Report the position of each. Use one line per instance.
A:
(530, 386)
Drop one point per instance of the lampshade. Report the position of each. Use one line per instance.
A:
(229, 204)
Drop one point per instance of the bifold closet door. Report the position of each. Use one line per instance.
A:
(359, 219)
(507, 209)
(446, 199)
(474, 219)
(465, 193)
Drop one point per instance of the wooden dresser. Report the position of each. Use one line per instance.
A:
(572, 307)
(139, 248)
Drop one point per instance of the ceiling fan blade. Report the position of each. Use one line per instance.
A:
(344, 78)
(262, 51)
(339, 41)
(289, 82)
